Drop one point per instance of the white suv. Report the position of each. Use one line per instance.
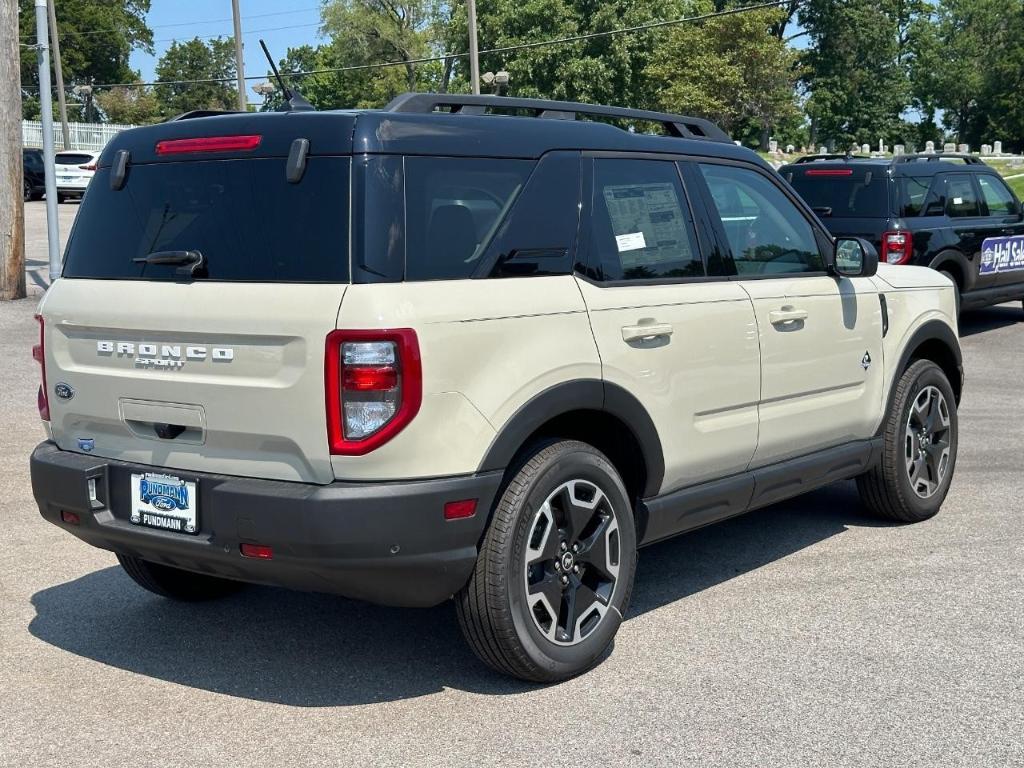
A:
(440, 351)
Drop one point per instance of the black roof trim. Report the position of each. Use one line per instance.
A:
(831, 156)
(938, 157)
(680, 126)
(204, 113)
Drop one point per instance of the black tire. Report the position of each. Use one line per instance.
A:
(493, 609)
(887, 489)
(175, 583)
(61, 198)
(26, 190)
(956, 288)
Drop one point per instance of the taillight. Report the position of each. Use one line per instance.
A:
(208, 144)
(374, 387)
(39, 355)
(89, 167)
(897, 247)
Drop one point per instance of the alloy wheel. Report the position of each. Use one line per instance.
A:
(572, 562)
(927, 442)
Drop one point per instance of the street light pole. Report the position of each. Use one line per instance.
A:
(59, 71)
(474, 54)
(243, 102)
(46, 117)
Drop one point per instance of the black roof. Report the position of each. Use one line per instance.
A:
(472, 126)
(918, 164)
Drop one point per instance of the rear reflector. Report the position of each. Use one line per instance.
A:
(370, 378)
(456, 510)
(259, 551)
(207, 144)
(830, 172)
(71, 518)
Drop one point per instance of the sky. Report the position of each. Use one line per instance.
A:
(280, 24)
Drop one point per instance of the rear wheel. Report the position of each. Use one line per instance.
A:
(175, 583)
(26, 190)
(919, 448)
(556, 566)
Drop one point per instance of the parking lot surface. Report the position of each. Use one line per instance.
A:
(802, 634)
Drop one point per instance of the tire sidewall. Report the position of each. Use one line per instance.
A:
(927, 375)
(574, 464)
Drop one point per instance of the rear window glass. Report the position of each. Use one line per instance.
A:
(72, 158)
(861, 195)
(249, 223)
(453, 207)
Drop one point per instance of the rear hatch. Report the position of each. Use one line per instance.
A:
(74, 169)
(210, 363)
(851, 199)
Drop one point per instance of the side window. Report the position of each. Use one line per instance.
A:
(767, 233)
(960, 197)
(913, 195)
(641, 228)
(997, 197)
(453, 207)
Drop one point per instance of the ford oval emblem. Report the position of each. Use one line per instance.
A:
(63, 391)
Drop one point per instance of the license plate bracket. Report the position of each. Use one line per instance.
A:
(164, 502)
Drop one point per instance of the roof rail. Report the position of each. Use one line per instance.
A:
(203, 113)
(830, 156)
(675, 125)
(938, 157)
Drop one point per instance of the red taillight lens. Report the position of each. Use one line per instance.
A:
(71, 518)
(457, 510)
(258, 551)
(829, 172)
(897, 247)
(39, 355)
(207, 144)
(374, 384)
(89, 167)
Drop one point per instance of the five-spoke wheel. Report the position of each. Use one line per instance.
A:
(927, 441)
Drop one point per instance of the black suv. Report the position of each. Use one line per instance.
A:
(949, 212)
(34, 184)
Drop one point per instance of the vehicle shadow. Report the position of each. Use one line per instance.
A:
(313, 650)
(980, 320)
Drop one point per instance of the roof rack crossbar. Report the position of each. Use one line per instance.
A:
(675, 125)
(938, 157)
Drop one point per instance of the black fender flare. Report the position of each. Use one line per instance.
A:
(933, 330)
(583, 394)
(962, 263)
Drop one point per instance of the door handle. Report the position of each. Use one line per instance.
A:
(645, 332)
(786, 315)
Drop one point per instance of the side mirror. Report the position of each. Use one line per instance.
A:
(855, 257)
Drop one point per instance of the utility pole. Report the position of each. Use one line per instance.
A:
(46, 118)
(243, 101)
(58, 70)
(12, 209)
(474, 54)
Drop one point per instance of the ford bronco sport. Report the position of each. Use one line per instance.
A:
(469, 347)
(953, 213)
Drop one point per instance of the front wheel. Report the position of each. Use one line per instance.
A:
(555, 570)
(919, 448)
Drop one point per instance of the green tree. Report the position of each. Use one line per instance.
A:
(131, 105)
(195, 59)
(732, 69)
(97, 39)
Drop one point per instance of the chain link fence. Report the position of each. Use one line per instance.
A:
(92, 137)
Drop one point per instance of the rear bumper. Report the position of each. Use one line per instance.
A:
(386, 543)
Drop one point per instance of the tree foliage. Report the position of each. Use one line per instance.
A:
(129, 105)
(196, 59)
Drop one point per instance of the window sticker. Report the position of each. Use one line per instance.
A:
(958, 201)
(630, 242)
(1002, 254)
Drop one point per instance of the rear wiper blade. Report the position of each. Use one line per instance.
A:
(191, 263)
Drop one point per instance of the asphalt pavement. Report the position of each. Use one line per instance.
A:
(804, 634)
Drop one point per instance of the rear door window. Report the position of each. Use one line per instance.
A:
(453, 208)
(997, 196)
(961, 199)
(914, 195)
(844, 193)
(72, 158)
(242, 215)
(641, 227)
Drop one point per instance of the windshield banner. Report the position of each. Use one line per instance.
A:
(1002, 254)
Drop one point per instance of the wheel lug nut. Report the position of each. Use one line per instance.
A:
(565, 579)
(558, 565)
(575, 547)
(575, 569)
(563, 546)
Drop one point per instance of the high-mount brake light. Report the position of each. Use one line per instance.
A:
(829, 172)
(39, 355)
(208, 144)
(897, 247)
(373, 383)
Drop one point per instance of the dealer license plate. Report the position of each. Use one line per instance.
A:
(164, 501)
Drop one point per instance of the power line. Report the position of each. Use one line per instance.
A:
(461, 55)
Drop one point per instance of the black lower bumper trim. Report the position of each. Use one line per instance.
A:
(386, 543)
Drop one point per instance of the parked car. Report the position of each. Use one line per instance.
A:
(34, 177)
(74, 171)
(953, 213)
(439, 350)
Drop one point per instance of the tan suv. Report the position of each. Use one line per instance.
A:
(469, 347)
